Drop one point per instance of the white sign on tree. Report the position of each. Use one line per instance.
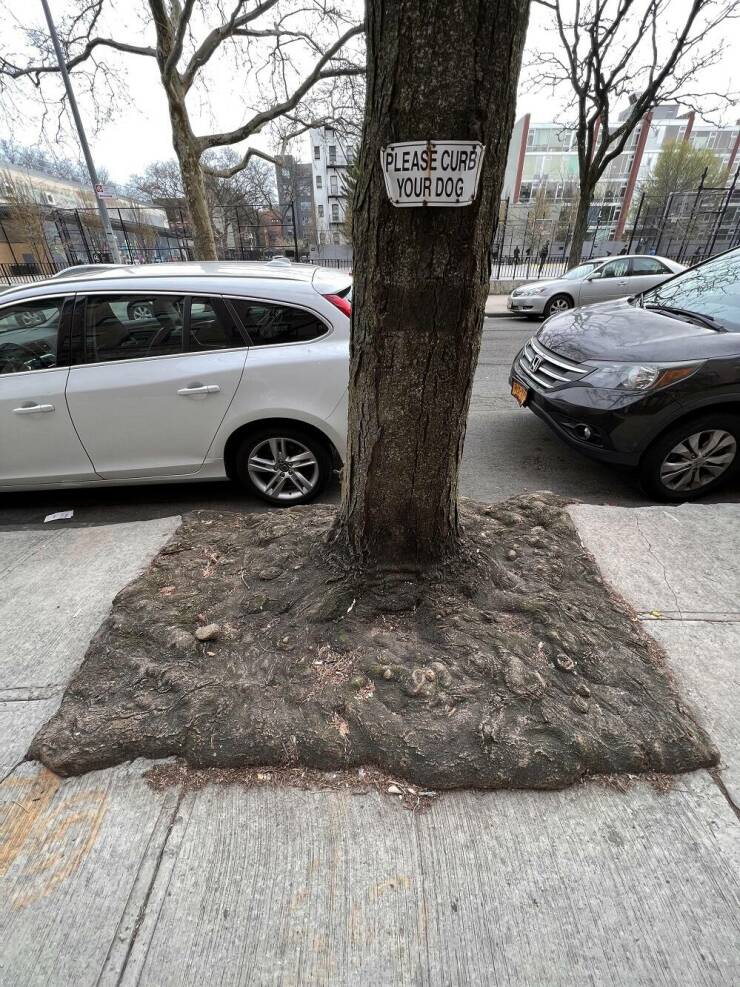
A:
(432, 173)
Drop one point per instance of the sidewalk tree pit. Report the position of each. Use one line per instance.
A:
(452, 644)
(510, 665)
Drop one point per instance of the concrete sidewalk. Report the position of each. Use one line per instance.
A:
(108, 882)
(496, 307)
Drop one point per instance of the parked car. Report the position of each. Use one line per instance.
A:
(176, 372)
(595, 281)
(651, 382)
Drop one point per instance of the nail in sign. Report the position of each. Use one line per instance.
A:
(432, 173)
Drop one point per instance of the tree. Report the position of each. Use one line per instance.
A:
(422, 275)
(681, 167)
(611, 51)
(250, 189)
(271, 45)
(37, 159)
(25, 222)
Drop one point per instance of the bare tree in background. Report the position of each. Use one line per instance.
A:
(251, 188)
(284, 54)
(634, 52)
(25, 222)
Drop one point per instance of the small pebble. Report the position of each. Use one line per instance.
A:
(208, 633)
(579, 704)
(511, 554)
(583, 690)
(387, 673)
(394, 790)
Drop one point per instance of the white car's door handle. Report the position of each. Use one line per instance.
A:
(200, 389)
(33, 409)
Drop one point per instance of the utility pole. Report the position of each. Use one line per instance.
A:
(113, 250)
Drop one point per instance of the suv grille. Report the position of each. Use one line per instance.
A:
(546, 368)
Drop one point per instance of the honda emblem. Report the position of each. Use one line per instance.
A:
(536, 362)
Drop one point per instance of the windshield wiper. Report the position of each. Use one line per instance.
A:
(707, 320)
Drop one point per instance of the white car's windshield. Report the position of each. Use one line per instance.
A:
(579, 272)
(712, 290)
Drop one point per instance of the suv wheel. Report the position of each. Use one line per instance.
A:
(693, 458)
(284, 466)
(558, 303)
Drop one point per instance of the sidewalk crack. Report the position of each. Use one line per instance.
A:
(660, 563)
(719, 782)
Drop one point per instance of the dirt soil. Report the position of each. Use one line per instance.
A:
(249, 643)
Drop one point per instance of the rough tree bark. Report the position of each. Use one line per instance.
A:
(421, 274)
(580, 227)
(184, 140)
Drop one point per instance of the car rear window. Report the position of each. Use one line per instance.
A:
(268, 324)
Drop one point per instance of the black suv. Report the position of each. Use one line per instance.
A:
(651, 382)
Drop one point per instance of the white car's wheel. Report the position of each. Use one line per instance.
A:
(283, 466)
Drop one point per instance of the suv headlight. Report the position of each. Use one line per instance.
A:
(637, 376)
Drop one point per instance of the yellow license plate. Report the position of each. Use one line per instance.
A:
(520, 392)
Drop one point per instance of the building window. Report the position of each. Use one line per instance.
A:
(317, 152)
(336, 238)
(333, 185)
(322, 237)
(335, 212)
(319, 183)
(332, 154)
(320, 211)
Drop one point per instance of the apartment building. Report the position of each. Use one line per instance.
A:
(330, 157)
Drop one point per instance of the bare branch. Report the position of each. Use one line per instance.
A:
(258, 121)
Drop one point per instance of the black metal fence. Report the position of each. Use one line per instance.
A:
(11, 274)
(533, 239)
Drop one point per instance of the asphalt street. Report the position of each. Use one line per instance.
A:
(508, 451)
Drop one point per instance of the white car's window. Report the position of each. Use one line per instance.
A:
(647, 265)
(579, 272)
(269, 324)
(28, 335)
(128, 327)
(212, 326)
(616, 268)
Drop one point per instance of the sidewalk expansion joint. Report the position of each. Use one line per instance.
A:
(117, 968)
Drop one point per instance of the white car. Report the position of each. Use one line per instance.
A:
(235, 370)
(594, 281)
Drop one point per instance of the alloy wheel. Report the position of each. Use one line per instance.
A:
(559, 305)
(698, 460)
(283, 469)
(141, 311)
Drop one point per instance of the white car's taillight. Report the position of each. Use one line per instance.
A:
(341, 303)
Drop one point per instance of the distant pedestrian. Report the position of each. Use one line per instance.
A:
(517, 255)
(623, 250)
(544, 251)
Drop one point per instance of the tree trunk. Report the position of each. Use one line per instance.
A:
(580, 227)
(184, 141)
(444, 69)
(188, 156)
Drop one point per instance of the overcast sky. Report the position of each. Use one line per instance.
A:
(138, 130)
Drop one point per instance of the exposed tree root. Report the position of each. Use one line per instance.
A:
(247, 642)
